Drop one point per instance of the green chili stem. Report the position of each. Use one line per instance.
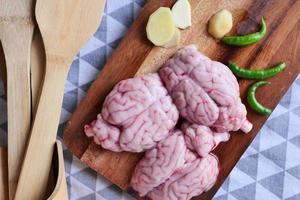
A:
(256, 74)
(248, 39)
(254, 104)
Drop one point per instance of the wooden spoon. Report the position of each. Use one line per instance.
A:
(37, 74)
(65, 27)
(57, 185)
(16, 30)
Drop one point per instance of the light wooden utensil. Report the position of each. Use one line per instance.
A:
(37, 64)
(37, 74)
(37, 71)
(65, 27)
(60, 187)
(16, 30)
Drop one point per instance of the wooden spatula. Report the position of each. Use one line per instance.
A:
(65, 27)
(16, 30)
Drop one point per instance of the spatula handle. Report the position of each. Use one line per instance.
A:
(17, 56)
(37, 162)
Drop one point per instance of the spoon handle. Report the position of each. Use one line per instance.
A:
(16, 44)
(37, 161)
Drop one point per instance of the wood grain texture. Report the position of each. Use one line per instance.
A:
(16, 30)
(65, 27)
(37, 68)
(3, 174)
(135, 56)
(57, 183)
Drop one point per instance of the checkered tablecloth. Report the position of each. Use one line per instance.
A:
(269, 169)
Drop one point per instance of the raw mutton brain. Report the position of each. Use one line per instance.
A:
(139, 115)
(195, 177)
(201, 138)
(136, 114)
(104, 134)
(159, 163)
(204, 91)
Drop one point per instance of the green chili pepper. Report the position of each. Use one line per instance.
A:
(254, 104)
(245, 40)
(256, 74)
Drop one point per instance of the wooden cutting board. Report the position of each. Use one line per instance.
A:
(135, 56)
